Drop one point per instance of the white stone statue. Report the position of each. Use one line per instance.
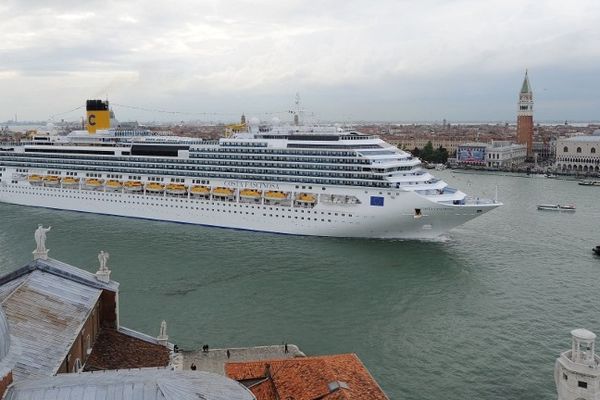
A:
(163, 329)
(162, 337)
(40, 238)
(103, 258)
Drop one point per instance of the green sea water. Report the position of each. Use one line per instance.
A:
(480, 314)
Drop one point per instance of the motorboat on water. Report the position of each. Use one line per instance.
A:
(589, 183)
(556, 207)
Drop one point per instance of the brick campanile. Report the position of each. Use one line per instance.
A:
(525, 116)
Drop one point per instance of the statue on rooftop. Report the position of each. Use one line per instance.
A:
(103, 258)
(40, 238)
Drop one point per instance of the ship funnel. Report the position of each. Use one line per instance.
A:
(98, 115)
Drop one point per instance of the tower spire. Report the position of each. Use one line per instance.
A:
(526, 88)
(525, 116)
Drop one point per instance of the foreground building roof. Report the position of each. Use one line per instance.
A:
(114, 349)
(141, 384)
(307, 378)
(45, 312)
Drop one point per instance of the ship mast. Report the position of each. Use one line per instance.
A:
(298, 112)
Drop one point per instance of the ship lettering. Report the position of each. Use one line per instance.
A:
(252, 185)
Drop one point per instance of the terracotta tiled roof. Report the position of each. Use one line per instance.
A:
(116, 350)
(308, 378)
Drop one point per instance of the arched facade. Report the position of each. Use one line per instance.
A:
(579, 155)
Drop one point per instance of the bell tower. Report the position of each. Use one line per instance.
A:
(525, 116)
(577, 371)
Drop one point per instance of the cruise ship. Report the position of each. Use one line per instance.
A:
(282, 178)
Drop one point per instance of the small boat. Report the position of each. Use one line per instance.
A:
(590, 183)
(250, 194)
(51, 180)
(113, 185)
(133, 186)
(306, 198)
(35, 179)
(551, 176)
(70, 181)
(154, 187)
(596, 250)
(93, 183)
(555, 207)
(222, 192)
(176, 188)
(199, 190)
(274, 195)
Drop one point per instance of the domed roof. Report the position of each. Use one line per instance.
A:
(583, 334)
(4, 335)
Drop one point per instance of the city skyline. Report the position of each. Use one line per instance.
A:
(391, 61)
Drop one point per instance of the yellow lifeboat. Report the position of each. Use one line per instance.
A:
(176, 188)
(51, 180)
(250, 194)
(133, 186)
(200, 190)
(112, 184)
(70, 181)
(274, 195)
(306, 198)
(93, 183)
(222, 192)
(155, 187)
(34, 179)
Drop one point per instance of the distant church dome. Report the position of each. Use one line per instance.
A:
(4, 335)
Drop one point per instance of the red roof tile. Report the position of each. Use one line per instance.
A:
(307, 378)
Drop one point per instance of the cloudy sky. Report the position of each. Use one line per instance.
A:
(462, 60)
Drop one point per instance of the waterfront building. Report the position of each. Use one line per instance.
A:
(579, 154)
(577, 371)
(341, 376)
(525, 116)
(503, 154)
(410, 143)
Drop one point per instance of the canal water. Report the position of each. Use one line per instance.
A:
(482, 313)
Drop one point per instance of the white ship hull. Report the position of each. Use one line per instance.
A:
(395, 220)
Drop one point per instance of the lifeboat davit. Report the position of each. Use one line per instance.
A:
(70, 181)
(35, 179)
(175, 188)
(222, 192)
(112, 185)
(133, 186)
(273, 195)
(93, 183)
(51, 180)
(250, 194)
(306, 198)
(199, 190)
(155, 187)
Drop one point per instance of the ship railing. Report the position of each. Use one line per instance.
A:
(471, 200)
